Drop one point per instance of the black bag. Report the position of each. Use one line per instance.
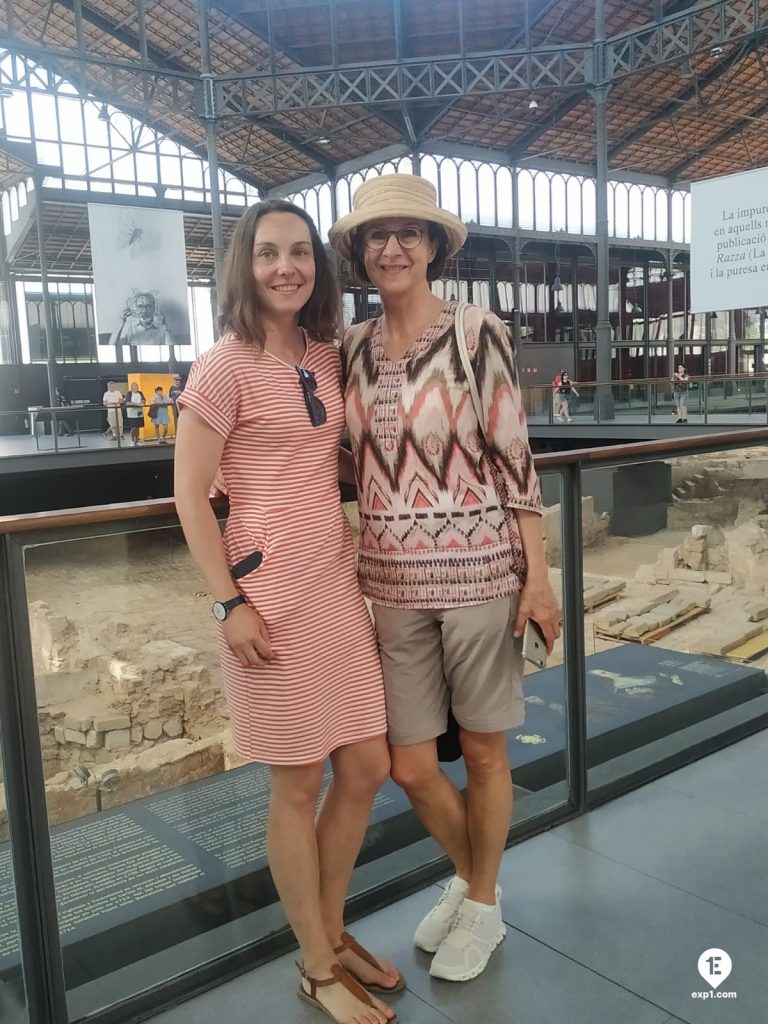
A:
(448, 745)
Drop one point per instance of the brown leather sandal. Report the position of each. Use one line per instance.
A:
(347, 942)
(339, 977)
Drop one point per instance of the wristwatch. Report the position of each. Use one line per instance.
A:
(221, 609)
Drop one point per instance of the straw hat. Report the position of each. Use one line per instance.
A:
(396, 195)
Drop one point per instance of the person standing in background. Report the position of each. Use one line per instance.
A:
(158, 413)
(134, 412)
(113, 402)
(556, 407)
(680, 382)
(565, 391)
(176, 389)
(64, 426)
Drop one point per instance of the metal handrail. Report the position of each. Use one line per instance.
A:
(167, 506)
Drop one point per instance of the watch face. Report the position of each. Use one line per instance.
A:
(219, 611)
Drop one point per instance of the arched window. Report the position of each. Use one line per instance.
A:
(635, 195)
(541, 194)
(678, 216)
(526, 200)
(558, 203)
(468, 206)
(449, 186)
(487, 212)
(503, 197)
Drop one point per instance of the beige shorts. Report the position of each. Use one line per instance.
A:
(462, 658)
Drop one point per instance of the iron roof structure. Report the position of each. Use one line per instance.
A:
(301, 88)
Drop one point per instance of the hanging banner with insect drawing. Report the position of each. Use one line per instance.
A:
(139, 276)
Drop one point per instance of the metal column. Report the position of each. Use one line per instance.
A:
(12, 353)
(573, 639)
(603, 333)
(211, 124)
(515, 247)
(39, 937)
(671, 289)
(670, 313)
(48, 319)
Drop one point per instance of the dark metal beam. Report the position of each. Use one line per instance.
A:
(161, 61)
(670, 109)
(383, 115)
(519, 37)
(719, 140)
(545, 124)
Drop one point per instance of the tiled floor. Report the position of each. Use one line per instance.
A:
(607, 918)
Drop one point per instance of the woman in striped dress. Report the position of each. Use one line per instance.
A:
(262, 417)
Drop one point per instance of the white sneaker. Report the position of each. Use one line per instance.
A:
(467, 949)
(442, 917)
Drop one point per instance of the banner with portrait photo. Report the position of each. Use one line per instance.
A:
(139, 275)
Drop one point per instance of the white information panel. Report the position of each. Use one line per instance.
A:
(729, 242)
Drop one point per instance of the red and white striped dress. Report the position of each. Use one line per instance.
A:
(323, 689)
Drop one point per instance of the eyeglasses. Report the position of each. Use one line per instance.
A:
(315, 408)
(407, 238)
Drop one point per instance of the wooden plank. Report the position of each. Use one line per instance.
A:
(653, 635)
(751, 649)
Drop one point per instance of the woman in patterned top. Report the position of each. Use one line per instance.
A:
(451, 552)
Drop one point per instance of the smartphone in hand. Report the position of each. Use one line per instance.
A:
(534, 645)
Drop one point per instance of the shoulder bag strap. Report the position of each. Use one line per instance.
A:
(357, 331)
(461, 342)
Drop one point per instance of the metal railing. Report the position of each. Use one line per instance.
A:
(710, 401)
(56, 429)
(723, 401)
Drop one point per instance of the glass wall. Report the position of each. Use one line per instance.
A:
(673, 629)
(96, 146)
(157, 826)
(13, 1008)
(538, 748)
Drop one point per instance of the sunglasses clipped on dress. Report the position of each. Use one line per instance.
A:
(315, 408)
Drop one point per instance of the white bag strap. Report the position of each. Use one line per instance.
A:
(461, 342)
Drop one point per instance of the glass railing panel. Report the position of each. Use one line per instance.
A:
(583, 408)
(157, 826)
(631, 401)
(77, 427)
(725, 400)
(13, 1008)
(538, 746)
(537, 402)
(662, 402)
(758, 399)
(676, 612)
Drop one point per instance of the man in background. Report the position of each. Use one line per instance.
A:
(113, 402)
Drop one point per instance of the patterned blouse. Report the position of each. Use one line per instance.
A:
(432, 489)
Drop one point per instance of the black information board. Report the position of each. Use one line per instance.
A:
(147, 875)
